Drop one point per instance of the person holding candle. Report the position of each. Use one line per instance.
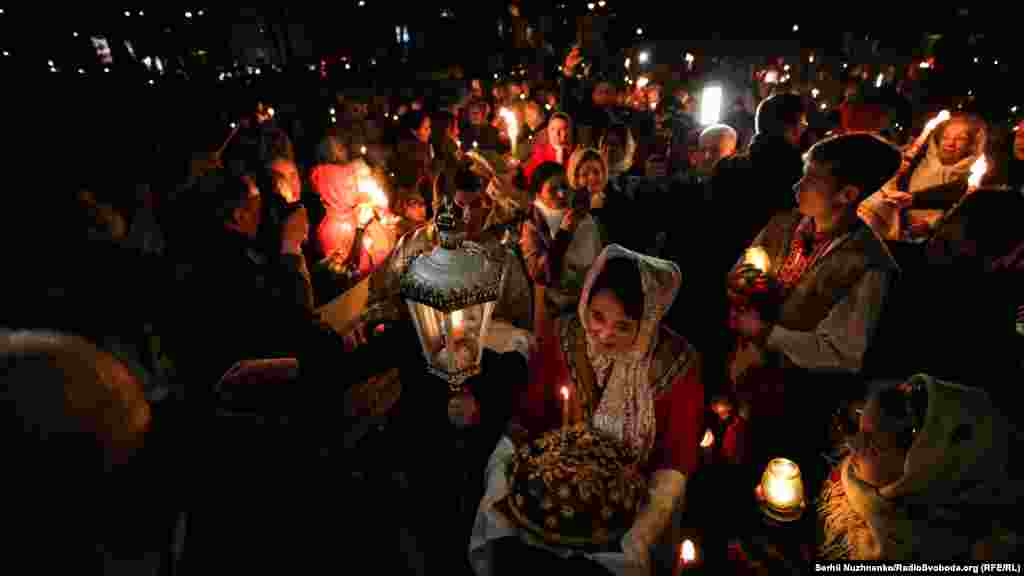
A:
(559, 240)
(558, 148)
(832, 273)
(625, 374)
(945, 156)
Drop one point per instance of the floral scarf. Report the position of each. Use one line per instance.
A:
(626, 408)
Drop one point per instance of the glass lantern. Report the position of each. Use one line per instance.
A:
(781, 492)
(451, 295)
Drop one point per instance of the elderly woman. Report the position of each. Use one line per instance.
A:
(560, 240)
(925, 478)
(948, 154)
(633, 379)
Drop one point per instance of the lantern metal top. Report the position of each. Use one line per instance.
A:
(456, 274)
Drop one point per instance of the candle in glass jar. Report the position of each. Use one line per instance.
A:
(708, 443)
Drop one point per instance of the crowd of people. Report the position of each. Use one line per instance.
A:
(896, 291)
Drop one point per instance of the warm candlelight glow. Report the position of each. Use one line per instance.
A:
(642, 81)
(457, 322)
(367, 242)
(708, 440)
(757, 257)
(511, 126)
(782, 486)
(939, 119)
(565, 393)
(362, 150)
(978, 170)
(370, 187)
(476, 144)
(688, 552)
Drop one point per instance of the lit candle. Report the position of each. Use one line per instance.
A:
(688, 558)
(475, 144)
(939, 118)
(458, 325)
(782, 489)
(511, 126)
(565, 407)
(757, 257)
(978, 170)
(362, 150)
(708, 443)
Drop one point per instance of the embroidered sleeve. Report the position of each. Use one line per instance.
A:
(840, 341)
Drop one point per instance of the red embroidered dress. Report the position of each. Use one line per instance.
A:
(801, 257)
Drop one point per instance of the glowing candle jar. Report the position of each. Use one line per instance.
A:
(781, 491)
(688, 557)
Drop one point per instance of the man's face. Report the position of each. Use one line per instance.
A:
(476, 88)
(954, 143)
(878, 455)
(712, 149)
(603, 95)
(817, 194)
(474, 211)
(558, 132)
(1018, 141)
(287, 181)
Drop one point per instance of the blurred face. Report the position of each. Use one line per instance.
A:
(954, 143)
(474, 212)
(878, 455)
(554, 194)
(817, 193)
(603, 95)
(287, 182)
(1018, 141)
(794, 134)
(476, 89)
(590, 175)
(423, 132)
(247, 218)
(712, 149)
(609, 328)
(416, 210)
(514, 90)
(558, 132)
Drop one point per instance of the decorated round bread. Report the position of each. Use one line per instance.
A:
(580, 490)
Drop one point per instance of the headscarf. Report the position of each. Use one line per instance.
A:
(626, 410)
(337, 185)
(955, 469)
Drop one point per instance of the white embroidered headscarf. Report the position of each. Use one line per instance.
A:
(626, 410)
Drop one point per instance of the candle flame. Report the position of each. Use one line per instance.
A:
(783, 487)
(642, 81)
(476, 144)
(939, 119)
(457, 319)
(978, 170)
(688, 552)
(362, 150)
(511, 125)
(565, 393)
(708, 440)
(757, 257)
(371, 188)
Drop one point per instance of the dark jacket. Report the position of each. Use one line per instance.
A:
(748, 189)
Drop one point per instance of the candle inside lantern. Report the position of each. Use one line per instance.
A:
(757, 257)
(781, 485)
(458, 325)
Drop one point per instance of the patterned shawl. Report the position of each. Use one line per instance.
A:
(626, 409)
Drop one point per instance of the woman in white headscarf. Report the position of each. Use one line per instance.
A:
(926, 479)
(631, 378)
